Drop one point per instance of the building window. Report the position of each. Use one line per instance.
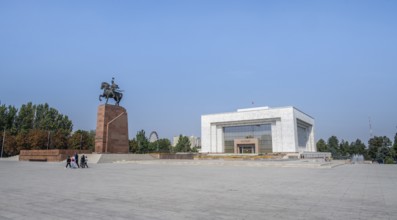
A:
(263, 132)
(302, 136)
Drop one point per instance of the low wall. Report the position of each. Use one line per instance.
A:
(176, 156)
(269, 156)
(48, 155)
(310, 155)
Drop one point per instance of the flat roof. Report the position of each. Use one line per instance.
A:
(253, 109)
(263, 108)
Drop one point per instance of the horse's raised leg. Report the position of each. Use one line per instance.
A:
(100, 98)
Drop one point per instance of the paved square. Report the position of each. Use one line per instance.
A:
(174, 191)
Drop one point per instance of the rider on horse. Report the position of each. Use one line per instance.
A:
(111, 91)
(113, 87)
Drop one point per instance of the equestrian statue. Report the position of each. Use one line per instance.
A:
(111, 91)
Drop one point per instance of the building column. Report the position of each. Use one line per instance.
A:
(213, 139)
(310, 140)
(219, 140)
(277, 137)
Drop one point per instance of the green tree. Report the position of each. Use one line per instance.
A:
(195, 149)
(3, 116)
(81, 139)
(25, 118)
(91, 141)
(344, 149)
(152, 147)
(183, 144)
(385, 155)
(7, 117)
(133, 145)
(333, 146)
(161, 145)
(357, 147)
(164, 145)
(47, 118)
(375, 143)
(41, 121)
(31, 124)
(395, 143)
(322, 146)
(142, 141)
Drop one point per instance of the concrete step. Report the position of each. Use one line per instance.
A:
(13, 158)
(113, 158)
(286, 163)
(93, 158)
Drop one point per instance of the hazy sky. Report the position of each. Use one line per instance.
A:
(178, 60)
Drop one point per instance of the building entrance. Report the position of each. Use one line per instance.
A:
(246, 148)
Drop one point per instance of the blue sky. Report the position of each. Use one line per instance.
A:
(177, 60)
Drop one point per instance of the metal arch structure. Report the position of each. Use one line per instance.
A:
(153, 137)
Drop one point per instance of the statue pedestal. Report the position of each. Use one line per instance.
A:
(111, 130)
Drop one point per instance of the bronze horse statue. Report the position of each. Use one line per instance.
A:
(110, 92)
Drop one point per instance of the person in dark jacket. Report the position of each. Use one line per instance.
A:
(76, 158)
(68, 162)
(82, 161)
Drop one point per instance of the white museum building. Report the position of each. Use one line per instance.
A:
(258, 130)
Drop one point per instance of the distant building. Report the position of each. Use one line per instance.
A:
(194, 141)
(175, 140)
(258, 130)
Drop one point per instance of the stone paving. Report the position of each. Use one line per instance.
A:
(35, 190)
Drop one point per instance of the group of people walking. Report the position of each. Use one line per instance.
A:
(73, 161)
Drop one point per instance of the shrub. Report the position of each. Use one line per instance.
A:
(389, 160)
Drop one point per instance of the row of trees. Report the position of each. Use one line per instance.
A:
(141, 145)
(380, 148)
(30, 116)
(39, 127)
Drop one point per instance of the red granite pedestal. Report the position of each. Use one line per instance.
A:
(111, 130)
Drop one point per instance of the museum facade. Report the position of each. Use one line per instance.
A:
(258, 130)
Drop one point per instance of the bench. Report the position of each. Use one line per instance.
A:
(38, 160)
